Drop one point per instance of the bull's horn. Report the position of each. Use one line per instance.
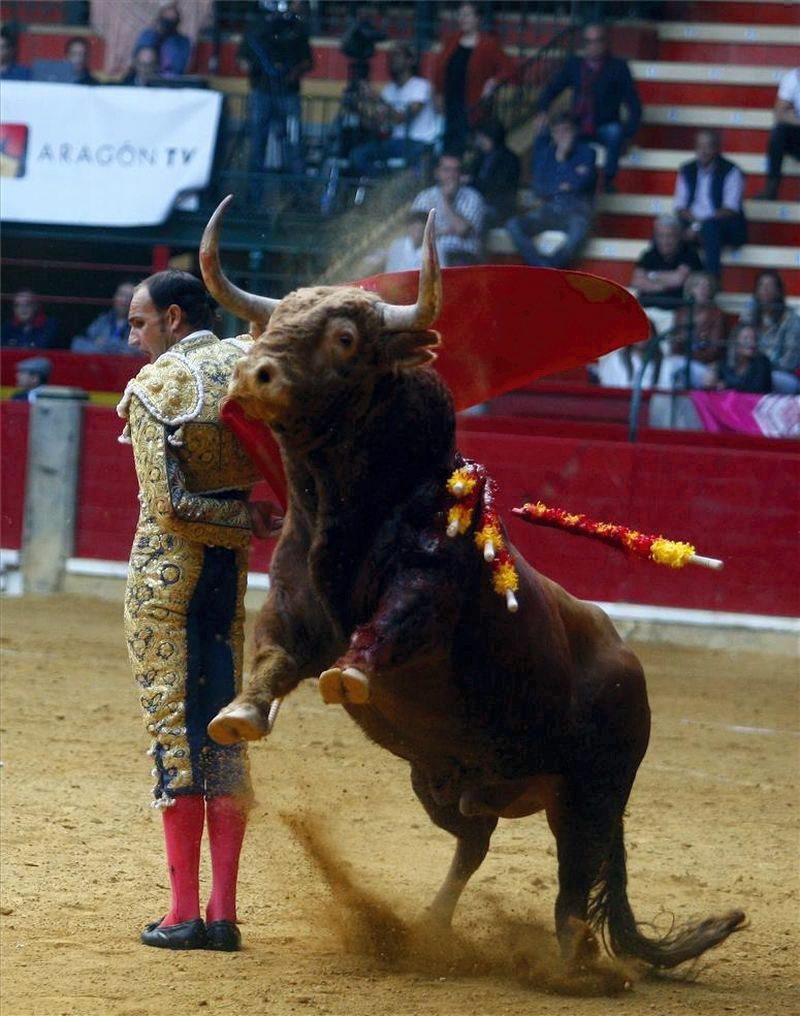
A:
(424, 312)
(256, 309)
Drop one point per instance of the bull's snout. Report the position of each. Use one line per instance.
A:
(259, 383)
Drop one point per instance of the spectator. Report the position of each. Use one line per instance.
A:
(495, 173)
(31, 374)
(777, 329)
(460, 214)
(76, 52)
(10, 70)
(467, 70)
(622, 367)
(405, 110)
(697, 341)
(785, 135)
(29, 327)
(563, 177)
(708, 199)
(601, 85)
(172, 48)
(108, 333)
(145, 67)
(662, 270)
(746, 370)
(275, 53)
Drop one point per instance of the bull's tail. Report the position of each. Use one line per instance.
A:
(610, 913)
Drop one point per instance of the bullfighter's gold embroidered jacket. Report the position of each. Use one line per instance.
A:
(193, 482)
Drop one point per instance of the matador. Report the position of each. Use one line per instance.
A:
(184, 602)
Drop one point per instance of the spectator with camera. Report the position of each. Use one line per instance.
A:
(359, 42)
(403, 112)
(275, 54)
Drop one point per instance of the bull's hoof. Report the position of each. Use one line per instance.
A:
(344, 686)
(238, 722)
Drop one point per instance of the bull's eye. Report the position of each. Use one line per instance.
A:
(345, 340)
(264, 375)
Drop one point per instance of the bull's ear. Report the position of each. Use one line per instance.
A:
(406, 350)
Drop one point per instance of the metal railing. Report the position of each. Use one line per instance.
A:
(514, 100)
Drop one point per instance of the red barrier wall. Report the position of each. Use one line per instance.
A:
(13, 468)
(740, 503)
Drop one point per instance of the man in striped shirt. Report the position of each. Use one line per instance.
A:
(460, 214)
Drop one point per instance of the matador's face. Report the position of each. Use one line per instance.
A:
(149, 330)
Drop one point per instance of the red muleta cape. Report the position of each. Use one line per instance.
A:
(502, 326)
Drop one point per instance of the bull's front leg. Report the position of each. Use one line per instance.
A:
(247, 718)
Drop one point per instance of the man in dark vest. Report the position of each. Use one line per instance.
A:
(708, 199)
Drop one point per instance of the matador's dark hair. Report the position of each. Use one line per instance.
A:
(184, 290)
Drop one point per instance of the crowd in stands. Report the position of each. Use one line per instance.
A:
(443, 129)
(29, 327)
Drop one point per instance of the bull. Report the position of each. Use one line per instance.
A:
(498, 713)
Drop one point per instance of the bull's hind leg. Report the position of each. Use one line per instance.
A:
(472, 833)
(584, 822)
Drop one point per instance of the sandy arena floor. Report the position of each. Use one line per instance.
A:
(712, 825)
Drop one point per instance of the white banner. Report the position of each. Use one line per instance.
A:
(102, 155)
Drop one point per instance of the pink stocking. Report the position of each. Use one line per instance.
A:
(227, 821)
(183, 832)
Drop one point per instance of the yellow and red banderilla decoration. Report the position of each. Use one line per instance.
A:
(473, 490)
(671, 553)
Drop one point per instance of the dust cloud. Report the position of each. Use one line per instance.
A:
(507, 949)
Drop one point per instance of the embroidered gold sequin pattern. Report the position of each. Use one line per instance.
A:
(179, 517)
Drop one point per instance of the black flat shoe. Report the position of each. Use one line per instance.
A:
(188, 935)
(224, 936)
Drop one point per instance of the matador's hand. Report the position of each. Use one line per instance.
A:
(265, 518)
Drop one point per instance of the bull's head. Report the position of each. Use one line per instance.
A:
(320, 351)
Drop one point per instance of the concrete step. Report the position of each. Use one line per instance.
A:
(671, 158)
(711, 31)
(728, 43)
(609, 248)
(640, 227)
(652, 205)
(771, 223)
(744, 12)
(615, 259)
(734, 140)
(703, 73)
(703, 116)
